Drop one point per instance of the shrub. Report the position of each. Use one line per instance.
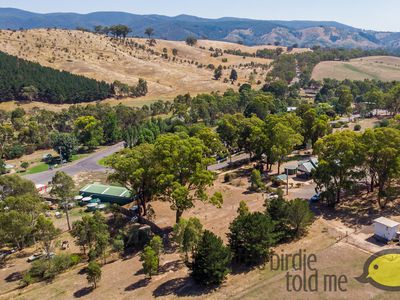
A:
(48, 269)
(26, 279)
(250, 237)
(256, 181)
(25, 165)
(13, 151)
(228, 177)
(211, 260)
(357, 127)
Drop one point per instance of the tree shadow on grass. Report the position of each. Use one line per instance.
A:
(181, 287)
(83, 292)
(13, 277)
(137, 285)
(356, 210)
(171, 266)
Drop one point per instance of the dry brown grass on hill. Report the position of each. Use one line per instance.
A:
(384, 68)
(108, 59)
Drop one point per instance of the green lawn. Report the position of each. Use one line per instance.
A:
(41, 167)
(37, 169)
(102, 162)
(79, 156)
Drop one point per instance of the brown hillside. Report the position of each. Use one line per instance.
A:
(385, 68)
(108, 59)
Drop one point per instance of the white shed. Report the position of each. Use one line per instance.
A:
(386, 229)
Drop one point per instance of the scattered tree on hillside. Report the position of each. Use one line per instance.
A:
(300, 216)
(191, 41)
(339, 153)
(149, 32)
(187, 234)
(135, 169)
(381, 150)
(89, 131)
(65, 144)
(393, 100)
(211, 260)
(20, 208)
(120, 31)
(90, 233)
(63, 188)
(234, 76)
(251, 235)
(218, 73)
(183, 174)
(46, 232)
(93, 273)
(256, 180)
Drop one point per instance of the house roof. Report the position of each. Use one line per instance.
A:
(293, 167)
(387, 222)
(314, 161)
(282, 177)
(306, 167)
(107, 190)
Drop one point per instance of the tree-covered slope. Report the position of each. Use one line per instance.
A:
(24, 80)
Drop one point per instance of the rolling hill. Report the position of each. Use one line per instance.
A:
(385, 68)
(246, 31)
(107, 59)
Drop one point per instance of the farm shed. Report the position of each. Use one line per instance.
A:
(290, 170)
(386, 229)
(305, 168)
(281, 179)
(107, 193)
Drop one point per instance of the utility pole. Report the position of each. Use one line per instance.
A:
(61, 158)
(287, 181)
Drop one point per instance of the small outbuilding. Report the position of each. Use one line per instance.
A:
(291, 170)
(386, 229)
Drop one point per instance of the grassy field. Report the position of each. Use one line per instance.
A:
(386, 68)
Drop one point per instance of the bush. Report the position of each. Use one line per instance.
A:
(357, 127)
(75, 259)
(13, 151)
(384, 123)
(26, 280)
(256, 181)
(25, 165)
(48, 269)
(228, 177)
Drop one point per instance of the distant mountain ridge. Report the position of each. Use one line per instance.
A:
(238, 30)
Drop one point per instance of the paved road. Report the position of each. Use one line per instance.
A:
(87, 164)
(226, 163)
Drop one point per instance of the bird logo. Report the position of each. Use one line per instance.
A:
(382, 270)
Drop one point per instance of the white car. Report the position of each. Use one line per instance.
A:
(39, 255)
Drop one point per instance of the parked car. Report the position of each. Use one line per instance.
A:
(272, 196)
(39, 255)
(35, 256)
(315, 198)
(5, 253)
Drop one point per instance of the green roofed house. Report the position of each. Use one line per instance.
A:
(107, 193)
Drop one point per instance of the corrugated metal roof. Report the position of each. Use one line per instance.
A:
(387, 222)
(306, 167)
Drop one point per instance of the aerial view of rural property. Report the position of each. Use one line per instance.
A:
(172, 149)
